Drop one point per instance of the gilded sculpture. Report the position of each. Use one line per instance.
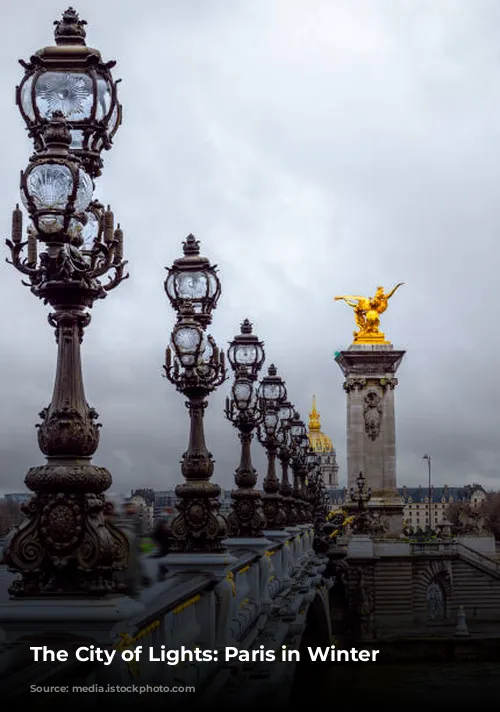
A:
(367, 312)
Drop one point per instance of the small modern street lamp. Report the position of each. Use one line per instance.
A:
(429, 460)
(361, 495)
(246, 356)
(196, 367)
(66, 545)
(271, 393)
(73, 79)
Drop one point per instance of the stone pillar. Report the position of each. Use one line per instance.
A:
(369, 371)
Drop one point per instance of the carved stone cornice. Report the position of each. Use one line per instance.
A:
(368, 363)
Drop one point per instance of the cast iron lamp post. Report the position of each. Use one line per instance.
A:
(65, 546)
(303, 448)
(73, 79)
(272, 392)
(196, 368)
(246, 356)
(298, 432)
(285, 449)
(319, 500)
(313, 471)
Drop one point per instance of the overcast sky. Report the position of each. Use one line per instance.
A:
(315, 148)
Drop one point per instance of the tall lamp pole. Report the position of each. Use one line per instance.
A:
(68, 99)
(428, 458)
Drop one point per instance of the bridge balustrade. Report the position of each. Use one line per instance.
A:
(262, 599)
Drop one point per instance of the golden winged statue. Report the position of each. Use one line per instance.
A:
(367, 312)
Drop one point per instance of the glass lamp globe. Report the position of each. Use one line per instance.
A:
(52, 190)
(271, 422)
(246, 352)
(285, 412)
(73, 79)
(297, 428)
(187, 340)
(192, 278)
(242, 392)
(282, 435)
(87, 227)
(272, 390)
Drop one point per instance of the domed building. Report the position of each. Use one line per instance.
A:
(323, 446)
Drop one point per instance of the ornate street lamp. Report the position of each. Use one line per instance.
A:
(193, 279)
(54, 187)
(300, 443)
(73, 79)
(285, 450)
(246, 356)
(65, 546)
(360, 493)
(196, 368)
(312, 464)
(272, 392)
(318, 499)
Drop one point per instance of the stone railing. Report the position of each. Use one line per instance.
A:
(458, 548)
(261, 598)
(430, 548)
(485, 562)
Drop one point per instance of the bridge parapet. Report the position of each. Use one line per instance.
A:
(261, 599)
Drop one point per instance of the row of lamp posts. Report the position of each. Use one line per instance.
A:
(68, 543)
(196, 367)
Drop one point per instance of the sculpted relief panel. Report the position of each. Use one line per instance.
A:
(373, 414)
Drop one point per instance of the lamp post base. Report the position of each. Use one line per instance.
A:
(246, 519)
(272, 505)
(66, 545)
(198, 528)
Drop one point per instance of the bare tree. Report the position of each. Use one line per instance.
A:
(490, 509)
(464, 519)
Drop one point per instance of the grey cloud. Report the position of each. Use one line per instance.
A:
(315, 149)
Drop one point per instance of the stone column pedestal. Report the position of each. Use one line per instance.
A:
(369, 371)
